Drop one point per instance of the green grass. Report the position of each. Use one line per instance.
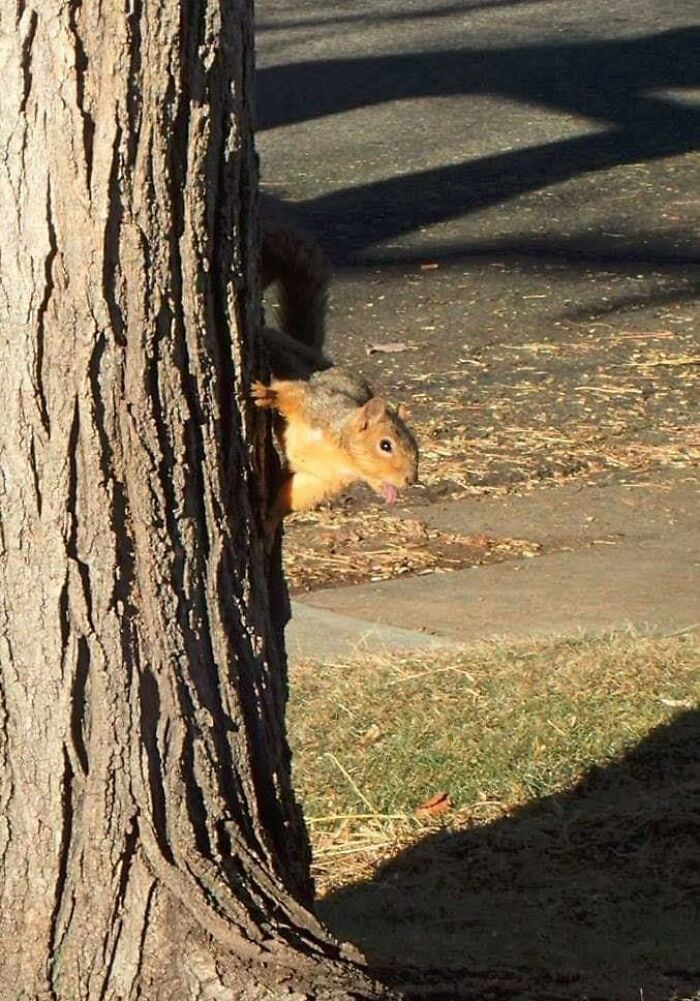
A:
(500, 723)
(568, 864)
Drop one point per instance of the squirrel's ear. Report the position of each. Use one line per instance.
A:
(375, 409)
(372, 412)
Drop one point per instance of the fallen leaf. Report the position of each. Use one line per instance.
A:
(437, 804)
(389, 348)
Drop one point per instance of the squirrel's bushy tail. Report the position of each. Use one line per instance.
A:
(301, 272)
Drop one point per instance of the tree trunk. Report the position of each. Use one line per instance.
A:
(150, 844)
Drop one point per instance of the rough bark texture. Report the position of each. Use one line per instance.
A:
(150, 845)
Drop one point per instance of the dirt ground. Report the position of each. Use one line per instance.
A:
(502, 407)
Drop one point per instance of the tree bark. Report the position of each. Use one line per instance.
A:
(150, 843)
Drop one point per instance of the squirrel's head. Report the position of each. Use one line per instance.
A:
(383, 449)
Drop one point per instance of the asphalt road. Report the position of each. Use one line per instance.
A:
(510, 191)
(491, 175)
(395, 129)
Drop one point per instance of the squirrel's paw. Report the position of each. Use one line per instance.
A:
(263, 396)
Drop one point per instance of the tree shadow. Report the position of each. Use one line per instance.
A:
(640, 247)
(591, 893)
(615, 84)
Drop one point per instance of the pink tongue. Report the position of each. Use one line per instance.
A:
(390, 492)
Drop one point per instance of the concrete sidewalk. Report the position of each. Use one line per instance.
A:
(613, 557)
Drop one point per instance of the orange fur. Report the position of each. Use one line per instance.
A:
(323, 456)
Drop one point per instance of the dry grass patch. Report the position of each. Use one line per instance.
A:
(495, 727)
(556, 856)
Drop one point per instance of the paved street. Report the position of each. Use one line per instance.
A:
(509, 190)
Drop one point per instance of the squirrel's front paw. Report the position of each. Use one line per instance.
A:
(263, 396)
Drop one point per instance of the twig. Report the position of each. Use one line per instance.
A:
(351, 781)
(358, 816)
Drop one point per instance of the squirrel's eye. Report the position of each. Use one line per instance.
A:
(386, 445)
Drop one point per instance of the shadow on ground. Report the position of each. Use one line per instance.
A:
(385, 17)
(618, 85)
(590, 894)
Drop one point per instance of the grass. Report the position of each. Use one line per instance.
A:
(568, 848)
(498, 725)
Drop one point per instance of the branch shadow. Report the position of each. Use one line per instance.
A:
(667, 256)
(590, 893)
(389, 17)
(614, 84)
(601, 80)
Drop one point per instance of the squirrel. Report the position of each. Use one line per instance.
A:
(331, 429)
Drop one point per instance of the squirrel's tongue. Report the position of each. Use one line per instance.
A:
(390, 493)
